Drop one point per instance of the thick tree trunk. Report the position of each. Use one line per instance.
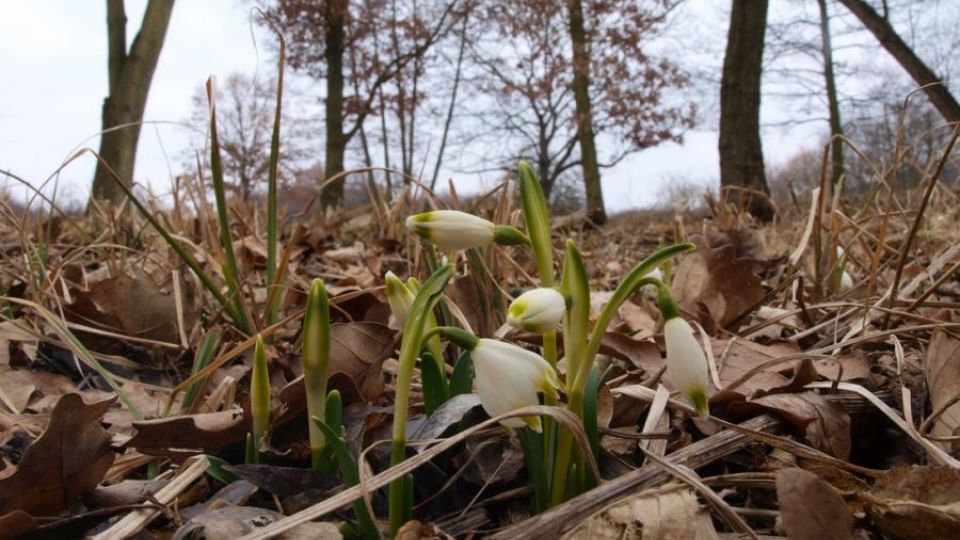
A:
(581, 94)
(836, 126)
(129, 77)
(742, 175)
(936, 91)
(336, 146)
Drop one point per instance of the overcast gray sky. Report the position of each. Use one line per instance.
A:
(53, 79)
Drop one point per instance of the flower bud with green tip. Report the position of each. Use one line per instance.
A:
(454, 230)
(686, 363)
(508, 377)
(399, 296)
(536, 217)
(316, 361)
(259, 395)
(538, 310)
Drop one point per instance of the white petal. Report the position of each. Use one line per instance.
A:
(452, 230)
(686, 363)
(508, 377)
(539, 310)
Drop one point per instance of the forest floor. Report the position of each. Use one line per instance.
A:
(834, 404)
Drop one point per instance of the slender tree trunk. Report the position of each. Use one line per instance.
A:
(836, 126)
(880, 27)
(335, 15)
(130, 74)
(453, 100)
(581, 94)
(741, 151)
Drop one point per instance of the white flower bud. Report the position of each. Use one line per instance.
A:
(509, 377)
(451, 230)
(686, 363)
(399, 297)
(538, 310)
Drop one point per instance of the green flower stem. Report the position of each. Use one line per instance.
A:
(413, 330)
(536, 217)
(564, 452)
(316, 359)
(636, 278)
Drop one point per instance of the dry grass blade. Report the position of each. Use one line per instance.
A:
(562, 416)
(729, 516)
(936, 453)
(133, 522)
(556, 521)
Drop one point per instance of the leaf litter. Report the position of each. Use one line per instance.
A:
(786, 353)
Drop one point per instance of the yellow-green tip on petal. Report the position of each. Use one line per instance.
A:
(686, 363)
(508, 377)
(539, 310)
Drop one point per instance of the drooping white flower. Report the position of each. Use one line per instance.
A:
(509, 377)
(846, 282)
(399, 296)
(686, 363)
(538, 310)
(450, 229)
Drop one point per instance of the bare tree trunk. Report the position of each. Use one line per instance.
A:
(936, 91)
(453, 100)
(581, 94)
(741, 150)
(335, 19)
(836, 126)
(130, 74)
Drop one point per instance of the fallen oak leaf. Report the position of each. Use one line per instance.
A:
(811, 508)
(720, 282)
(69, 458)
(825, 425)
(186, 435)
(916, 503)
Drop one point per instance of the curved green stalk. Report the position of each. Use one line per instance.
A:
(413, 329)
(623, 291)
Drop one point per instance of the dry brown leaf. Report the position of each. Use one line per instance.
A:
(189, 434)
(133, 306)
(942, 372)
(665, 513)
(736, 360)
(11, 332)
(916, 503)
(69, 458)
(718, 281)
(826, 425)
(15, 524)
(642, 354)
(811, 508)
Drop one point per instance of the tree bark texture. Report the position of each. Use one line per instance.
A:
(941, 98)
(584, 115)
(130, 74)
(336, 146)
(742, 175)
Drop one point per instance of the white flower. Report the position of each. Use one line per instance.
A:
(508, 377)
(538, 310)
(686, 363)
(399, 296)
(450, 230)
(846, 282)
